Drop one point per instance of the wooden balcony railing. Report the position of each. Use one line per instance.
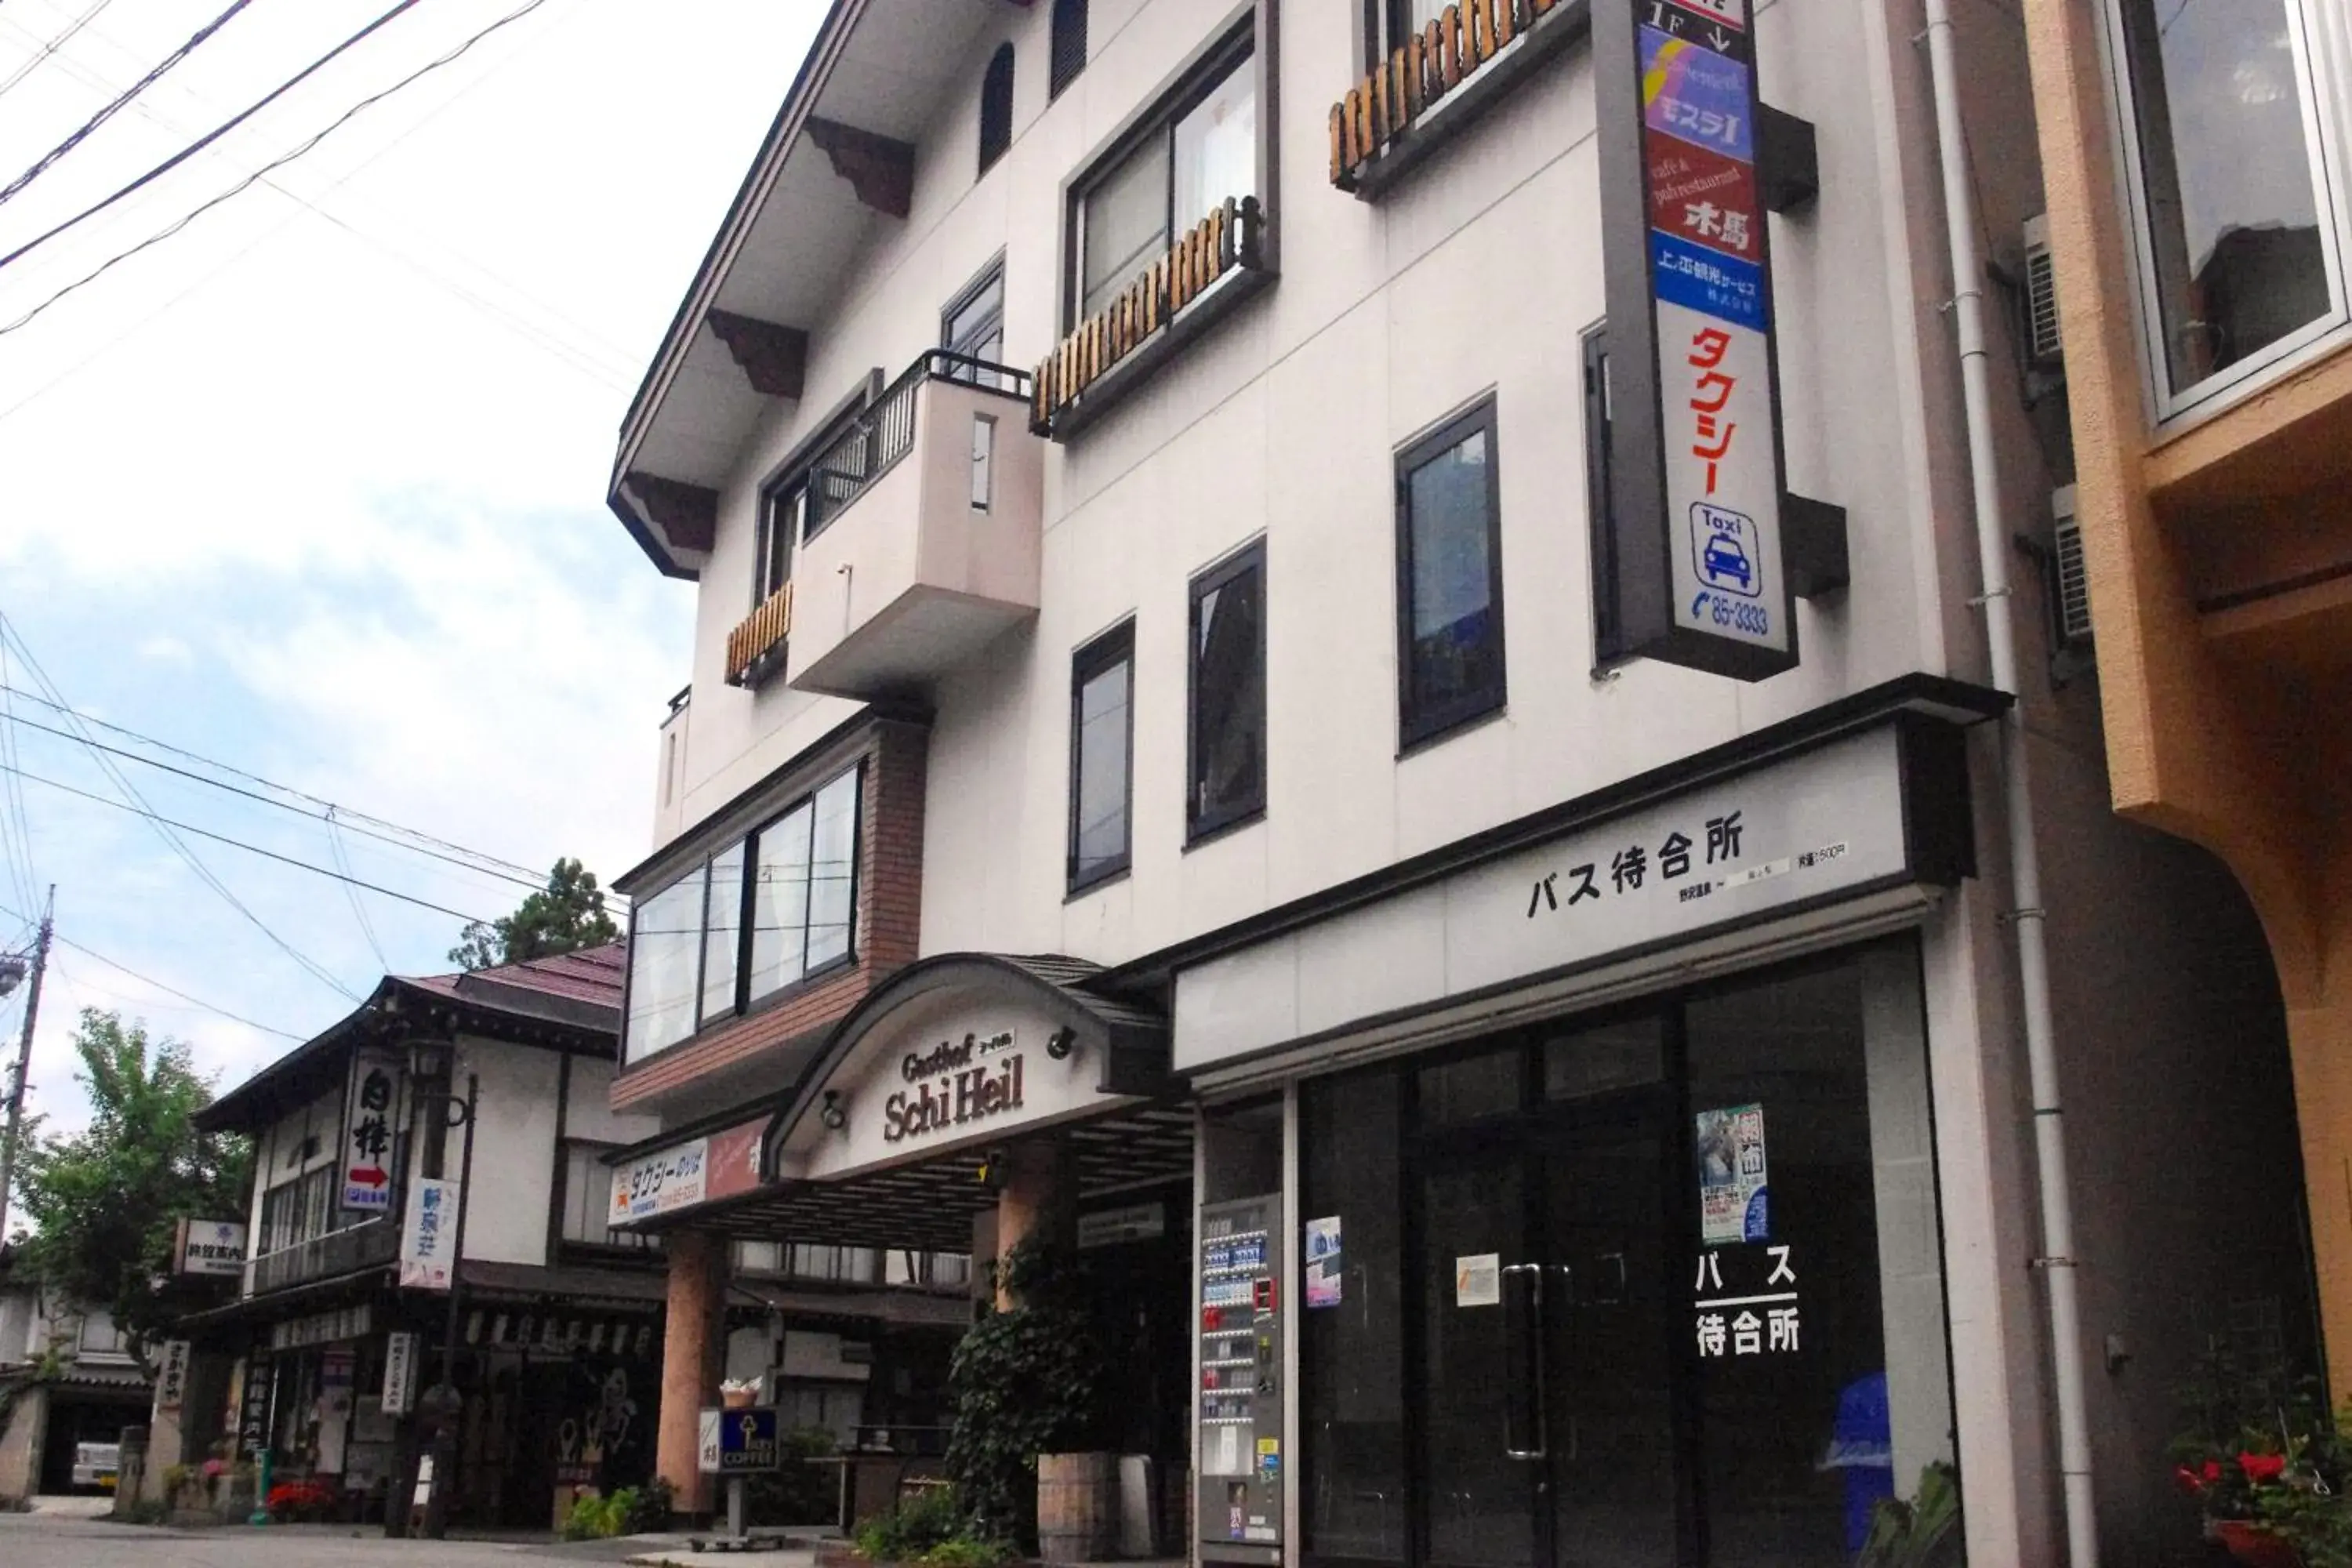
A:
(764, 632)
(324, 1257)
(1420, 73)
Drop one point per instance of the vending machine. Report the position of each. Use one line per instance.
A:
(1242, 1396)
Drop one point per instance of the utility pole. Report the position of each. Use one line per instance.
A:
(25, 1060)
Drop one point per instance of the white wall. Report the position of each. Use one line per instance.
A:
(514, 1150)
(588, 1111)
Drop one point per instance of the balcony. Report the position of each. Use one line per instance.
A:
(753, 647)
(923, 536)
(323, 1257)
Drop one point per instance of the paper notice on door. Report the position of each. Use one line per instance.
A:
(1323, 1279)
(1734, 1194)
(1478, 1280)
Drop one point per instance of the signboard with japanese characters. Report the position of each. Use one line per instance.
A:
(1826, 825)
(428, 1242)
(371, 1129)
(172, 1378)
(211, 1248)
(1695, 473)
(399, 1373)
(1744, 1302)
(685, 1175)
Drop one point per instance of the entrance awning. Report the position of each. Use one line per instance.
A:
(952, 1059)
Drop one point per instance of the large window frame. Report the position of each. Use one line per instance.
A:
(1201, 819)
(1421, 722)
(1232, 57)
(2321, 39)
(996, 107)
(1113, 649)
(738, 905)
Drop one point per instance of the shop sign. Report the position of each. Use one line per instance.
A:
(1735, 1317)
(701, 1171)
(955, 1083)
(1695, 486)
(210, 1249)
(253, 1406)
(172, 1378)
(737, 1442)
(1830, 822)
(399, 1373)
(1113, 1227)
(428, 1239)
(322, 1328)
(371, 1112)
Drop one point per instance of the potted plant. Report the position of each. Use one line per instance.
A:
(2264, 1462)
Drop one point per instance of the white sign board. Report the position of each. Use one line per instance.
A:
(1825, 823)
(370, 1132)
(1109, 1227)
(212, 1248)
(428, 1240)
(399, 1374)
(668, 1179)
(172, 1378)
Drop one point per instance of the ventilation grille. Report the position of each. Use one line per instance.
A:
(2041, 294)
(2074, 578)
(1070, 44)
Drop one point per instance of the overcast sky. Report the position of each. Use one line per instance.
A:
(315, 487)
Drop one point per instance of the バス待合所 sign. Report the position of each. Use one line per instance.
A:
(1694, 496)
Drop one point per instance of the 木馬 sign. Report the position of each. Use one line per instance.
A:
(1696, 490)
(371, 1127)
(211, 1248)
(428, 1241)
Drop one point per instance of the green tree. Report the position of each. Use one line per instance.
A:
(566, 915)
(104, 1201)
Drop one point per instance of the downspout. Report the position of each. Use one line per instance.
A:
(2057, 1263)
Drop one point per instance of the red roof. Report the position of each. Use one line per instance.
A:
(592, 974)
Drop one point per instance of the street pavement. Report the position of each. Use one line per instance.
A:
(55, 1541)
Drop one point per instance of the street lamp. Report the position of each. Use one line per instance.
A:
(430, 1063)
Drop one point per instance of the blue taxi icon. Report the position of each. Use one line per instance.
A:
(1727, 562)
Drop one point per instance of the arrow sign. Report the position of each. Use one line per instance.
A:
(370, 1177)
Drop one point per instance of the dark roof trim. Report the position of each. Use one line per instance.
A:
(1935, 696)
(1135, 1040)
(750, 805)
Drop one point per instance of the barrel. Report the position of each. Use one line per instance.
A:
(1077, 1507)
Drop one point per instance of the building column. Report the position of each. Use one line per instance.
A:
(694, 1342)
(2319, 1030)
(1038, 1198)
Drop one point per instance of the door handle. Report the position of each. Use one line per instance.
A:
(1524, 1382)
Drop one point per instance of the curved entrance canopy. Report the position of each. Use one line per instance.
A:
(950, 1062)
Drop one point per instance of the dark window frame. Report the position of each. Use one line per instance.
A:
(991, 325)
(1114, 646)
(996, 107)
(1198, 824)
(1236, 51)
(1415, 729)
(1067, 45)
(1608, 646)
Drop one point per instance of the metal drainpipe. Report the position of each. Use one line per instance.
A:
(2057, 1264)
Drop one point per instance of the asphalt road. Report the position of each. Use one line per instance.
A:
(47, 1540)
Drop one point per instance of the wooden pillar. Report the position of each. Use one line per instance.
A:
(694, 1347)
(1039, 1198)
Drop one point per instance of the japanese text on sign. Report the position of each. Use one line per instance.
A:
(370, 1123)
(1729, 1325)
(428, 1243)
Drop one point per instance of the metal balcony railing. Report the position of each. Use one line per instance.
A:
(323, 1257)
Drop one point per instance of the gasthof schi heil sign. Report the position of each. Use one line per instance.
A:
(1695, 472)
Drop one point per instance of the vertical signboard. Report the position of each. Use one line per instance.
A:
(399, 1373)
(1694, 480)
(370, 1125)
(172, 1379)
(428, 1241)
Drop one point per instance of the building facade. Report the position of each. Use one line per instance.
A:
(1202, 743)
(69, 1386)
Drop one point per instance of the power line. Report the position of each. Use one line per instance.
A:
(90, 126)
(143, 809)
(63, 940)
(187, 856)
(352, 894)
(15, 827)
(328, 814)
(215, 133)
(54, 44)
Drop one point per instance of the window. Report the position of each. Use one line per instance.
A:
(1608, 621)
(1102, 751)
(301, 1210)
(98, 1335)
(588, 1199)
(2236, 225)
(1069, 43)
(1407, 18)
(1227, 653)
(694, 955)
(1203, 154)
(780, 513)
(1449, 578)
(974, 324)
(996, 108)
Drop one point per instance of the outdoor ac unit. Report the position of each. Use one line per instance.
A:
(2042, 336)
(2073, 588)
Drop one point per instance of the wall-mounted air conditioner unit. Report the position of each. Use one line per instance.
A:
(2042, 342)
(2070, 589)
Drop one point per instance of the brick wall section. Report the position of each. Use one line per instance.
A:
(889, 921)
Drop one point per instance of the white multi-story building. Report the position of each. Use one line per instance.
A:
(1200, 726)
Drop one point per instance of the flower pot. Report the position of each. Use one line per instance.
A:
(2255, 1547)
(1077, 1507)
(738, 1398)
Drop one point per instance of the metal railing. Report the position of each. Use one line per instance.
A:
(886, 431)
(323, 1257)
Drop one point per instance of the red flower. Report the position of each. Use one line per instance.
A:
(2261, 1467)
(2213, 1472)
(2189, 1480)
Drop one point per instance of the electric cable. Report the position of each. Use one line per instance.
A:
(151, 815)
(53, 45)
(90, 126)
(215, 133)
(204, 873)
(352, 894)
(64, 940)
(16, 825)
(250, 180)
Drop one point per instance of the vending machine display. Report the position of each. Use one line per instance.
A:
(1242, 1393)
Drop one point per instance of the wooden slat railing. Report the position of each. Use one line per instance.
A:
(762, 632)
